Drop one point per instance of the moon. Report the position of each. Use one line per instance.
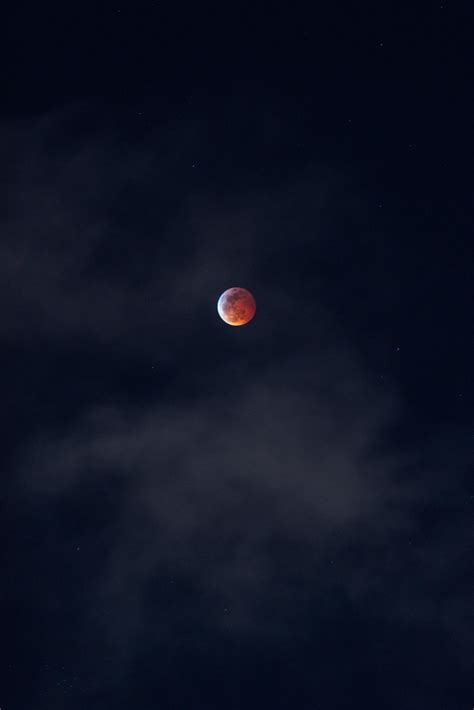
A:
(236, 306)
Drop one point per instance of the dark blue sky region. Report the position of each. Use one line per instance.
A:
(272, 516)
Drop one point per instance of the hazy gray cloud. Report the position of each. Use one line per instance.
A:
(241, 457)
(209, 489)
(74, 265)
(213, 483)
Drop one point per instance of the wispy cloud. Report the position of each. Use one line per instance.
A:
(273, 438)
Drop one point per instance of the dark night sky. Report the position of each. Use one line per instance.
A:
(199, 517)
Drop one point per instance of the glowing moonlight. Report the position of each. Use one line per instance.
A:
(236, 306)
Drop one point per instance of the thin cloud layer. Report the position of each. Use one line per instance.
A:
(267, 444)
(212, 484)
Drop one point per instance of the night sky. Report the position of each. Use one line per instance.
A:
(195, 516)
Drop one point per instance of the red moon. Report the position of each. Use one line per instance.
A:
(236, 306)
